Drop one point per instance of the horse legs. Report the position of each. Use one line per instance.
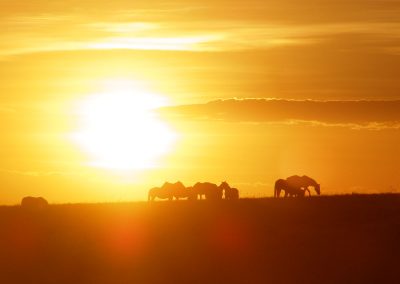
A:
(277, 192)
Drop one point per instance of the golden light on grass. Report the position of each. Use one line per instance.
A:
(119, 129)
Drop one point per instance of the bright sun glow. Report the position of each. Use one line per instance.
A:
(119, 129)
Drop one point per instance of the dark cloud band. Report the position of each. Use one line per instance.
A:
(272, 110)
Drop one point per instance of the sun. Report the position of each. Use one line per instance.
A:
(119, 129)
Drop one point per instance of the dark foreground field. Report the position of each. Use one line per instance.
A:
(344, 239)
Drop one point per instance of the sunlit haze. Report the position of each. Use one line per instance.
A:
(103, 100)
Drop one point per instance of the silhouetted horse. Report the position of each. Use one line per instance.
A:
(34, 203)
(230, 193)
(304, 182)
(160, 193)
(209, 190)
(295, 186)
(184, 193)
(169, 191)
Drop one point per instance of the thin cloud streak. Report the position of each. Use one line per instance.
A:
(63, 32)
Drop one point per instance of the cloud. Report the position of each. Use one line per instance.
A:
(169, 35)
(208, 26)
(363, 114)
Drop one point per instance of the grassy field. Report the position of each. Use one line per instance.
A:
(337, 239)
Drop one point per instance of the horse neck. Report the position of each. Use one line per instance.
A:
(310, 181)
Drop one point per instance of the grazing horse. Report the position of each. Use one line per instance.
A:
(209, 190)
(179, 190)
(304, 182)
(34, 203)
(169, 191)
(160, 193)
(296, 186)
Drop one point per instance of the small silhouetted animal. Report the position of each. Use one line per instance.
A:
(295, 192)
(34, 203)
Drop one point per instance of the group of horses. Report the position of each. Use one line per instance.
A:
(201, 190)
(293, 186)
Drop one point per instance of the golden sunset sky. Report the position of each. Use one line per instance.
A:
(101, 100)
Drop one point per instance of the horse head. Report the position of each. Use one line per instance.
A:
(224, 185)
(318, 188)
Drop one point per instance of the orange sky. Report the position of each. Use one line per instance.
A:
(55, 55)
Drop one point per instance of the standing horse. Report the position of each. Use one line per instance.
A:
(230, 193)
(160, 193)
(179, 190)
(169, 191)
(296, 186)
(185, 192)
(210, 191)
